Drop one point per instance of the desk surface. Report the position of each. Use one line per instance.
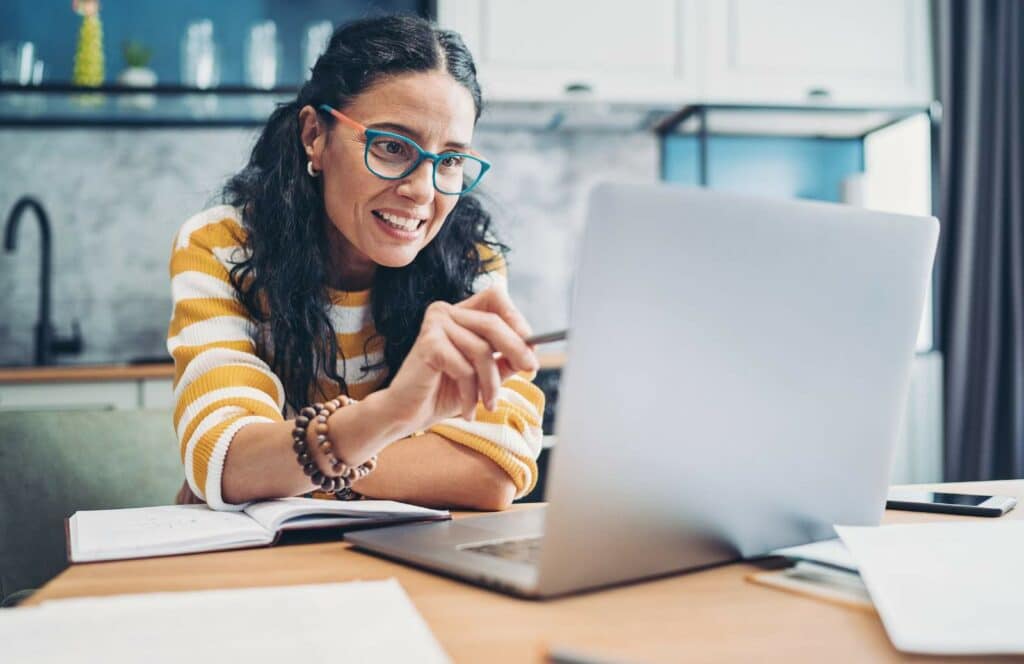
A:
(712, 615)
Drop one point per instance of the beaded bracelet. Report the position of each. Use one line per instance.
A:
(344, 475)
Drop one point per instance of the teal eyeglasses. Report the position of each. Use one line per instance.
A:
(392, 156)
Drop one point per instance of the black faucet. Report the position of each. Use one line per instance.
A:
(47, 345)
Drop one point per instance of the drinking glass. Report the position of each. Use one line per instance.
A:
(17, 63)
(261, 55)
(314, 43)
(199, 63)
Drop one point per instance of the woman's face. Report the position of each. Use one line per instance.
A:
(431, 108)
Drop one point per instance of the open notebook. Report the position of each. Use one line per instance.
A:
(169, 530)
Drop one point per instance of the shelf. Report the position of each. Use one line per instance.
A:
(119, 106)
(60, 105)
(572, 115)
(817, 121)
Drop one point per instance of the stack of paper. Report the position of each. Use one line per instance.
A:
(371, 621)
(945, 588)
(827, 552)
(823, 570)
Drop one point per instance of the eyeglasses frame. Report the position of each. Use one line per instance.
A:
(370, 134)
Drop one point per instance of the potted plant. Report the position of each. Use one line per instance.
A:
(137, 72)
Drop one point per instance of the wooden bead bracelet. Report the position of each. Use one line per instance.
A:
(342, 475)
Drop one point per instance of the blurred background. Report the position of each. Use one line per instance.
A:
(122, 119)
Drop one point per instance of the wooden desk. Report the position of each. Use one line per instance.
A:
(712, 615)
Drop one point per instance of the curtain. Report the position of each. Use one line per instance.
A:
(980, 51)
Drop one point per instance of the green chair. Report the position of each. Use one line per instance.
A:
(54, 463)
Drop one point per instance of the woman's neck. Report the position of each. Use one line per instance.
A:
(347, 268)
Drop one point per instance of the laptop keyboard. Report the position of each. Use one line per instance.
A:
(524, 550)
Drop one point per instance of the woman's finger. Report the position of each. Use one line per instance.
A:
(465, 377)
(448, 360)
(502, 338)
(478, 351)
(505, 370)
(496, 301)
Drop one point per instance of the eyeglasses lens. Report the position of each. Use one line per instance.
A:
(392, 157)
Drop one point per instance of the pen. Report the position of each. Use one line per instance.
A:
(547, 337)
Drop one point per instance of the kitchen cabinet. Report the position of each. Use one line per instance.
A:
(852, 52)
(550, 49)
(156, 393)
(917, 457)
(87, 387)
(78, 395)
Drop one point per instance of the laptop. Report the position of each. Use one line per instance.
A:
(736, 375)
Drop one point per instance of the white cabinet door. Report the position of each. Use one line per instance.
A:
(640, 51)
(85, 395)
(850, 52)
(157, 393)
(917, 458)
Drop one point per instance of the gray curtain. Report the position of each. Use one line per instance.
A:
(980, 52)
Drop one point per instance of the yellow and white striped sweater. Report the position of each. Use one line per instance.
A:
(221, 384)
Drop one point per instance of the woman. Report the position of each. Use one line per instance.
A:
(350, 261)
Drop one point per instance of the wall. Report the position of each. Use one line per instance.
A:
(117, 196)
(772, 166)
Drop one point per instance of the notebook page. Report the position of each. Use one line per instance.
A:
(251, 625)
(272, 514)
(945, 588)
(153, 531)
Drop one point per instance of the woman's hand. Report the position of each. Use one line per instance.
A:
(186, 497)
(454, 363)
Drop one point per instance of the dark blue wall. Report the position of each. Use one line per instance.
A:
(53, 27)
(793, 167)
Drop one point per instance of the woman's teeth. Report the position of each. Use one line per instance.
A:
(401, 223)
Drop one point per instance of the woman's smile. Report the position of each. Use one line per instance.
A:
(402, 226)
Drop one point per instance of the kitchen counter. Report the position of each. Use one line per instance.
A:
(103, 372)
(94, 372)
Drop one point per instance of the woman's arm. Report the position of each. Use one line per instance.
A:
(426, 470)
(433, 471)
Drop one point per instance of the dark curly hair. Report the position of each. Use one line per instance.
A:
(281, 281)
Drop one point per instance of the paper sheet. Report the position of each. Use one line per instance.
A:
(945, 588)
(830, 552)
(372, 621)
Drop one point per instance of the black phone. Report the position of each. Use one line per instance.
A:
(919, 500)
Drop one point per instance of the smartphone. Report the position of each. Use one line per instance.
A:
(917, 500)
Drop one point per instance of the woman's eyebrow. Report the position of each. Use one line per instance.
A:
(413, 134)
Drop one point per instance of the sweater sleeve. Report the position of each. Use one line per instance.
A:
(511, 435)
(220, 383)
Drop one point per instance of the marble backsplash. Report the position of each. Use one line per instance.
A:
(115, 198)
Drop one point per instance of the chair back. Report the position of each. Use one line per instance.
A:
(54, 463)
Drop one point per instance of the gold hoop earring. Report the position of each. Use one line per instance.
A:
(309, 169)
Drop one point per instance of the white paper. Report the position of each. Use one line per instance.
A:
(272, 514)
(830, 552)
(945, 588)
(150, 531)
(372, 621)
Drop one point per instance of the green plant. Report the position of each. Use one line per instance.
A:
(136, 54)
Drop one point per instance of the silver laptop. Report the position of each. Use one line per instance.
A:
(736, 375)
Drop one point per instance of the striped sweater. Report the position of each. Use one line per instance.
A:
(221, 384)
